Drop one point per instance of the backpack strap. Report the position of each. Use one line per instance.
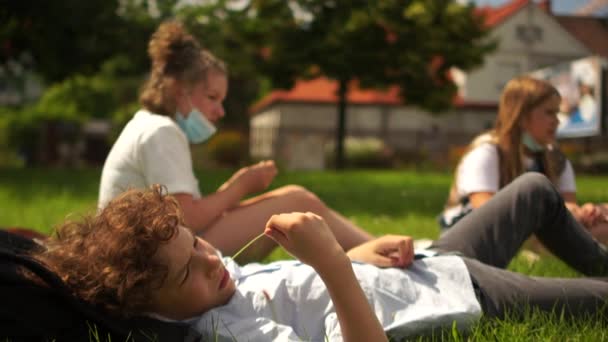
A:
(16, 242)
(30, 310)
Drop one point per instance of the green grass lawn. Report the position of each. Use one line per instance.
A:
(397, 202)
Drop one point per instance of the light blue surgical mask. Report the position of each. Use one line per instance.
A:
(196, 126)
(530, 143)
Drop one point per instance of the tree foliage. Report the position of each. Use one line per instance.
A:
(75, 37)
(412, 44)
(409, 43)
(73, 101)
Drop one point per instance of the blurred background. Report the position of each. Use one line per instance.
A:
(313, 84)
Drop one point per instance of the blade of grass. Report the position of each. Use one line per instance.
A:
(247, 245)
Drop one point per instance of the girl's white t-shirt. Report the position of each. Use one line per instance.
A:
(479, 172)
(151, 149)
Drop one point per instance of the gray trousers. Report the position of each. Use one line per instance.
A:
(491, 235)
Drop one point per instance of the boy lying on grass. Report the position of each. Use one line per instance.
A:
(135, 257)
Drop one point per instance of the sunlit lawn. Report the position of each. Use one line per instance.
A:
(380, 201)
(396, 201)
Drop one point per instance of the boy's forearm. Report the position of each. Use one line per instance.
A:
(358, 321)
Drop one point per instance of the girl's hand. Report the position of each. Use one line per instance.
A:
(590, 215)
(385, 251)
(254, 178)
(307, 237)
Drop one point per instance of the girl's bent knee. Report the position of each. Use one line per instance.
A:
(293, 188)
(304, 199)
(535, 180)
(537, 187)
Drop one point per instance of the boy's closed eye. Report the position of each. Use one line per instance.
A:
(187, 267)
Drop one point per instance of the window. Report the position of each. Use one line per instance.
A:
(529, 34)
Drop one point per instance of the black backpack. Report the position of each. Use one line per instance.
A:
(32, 312)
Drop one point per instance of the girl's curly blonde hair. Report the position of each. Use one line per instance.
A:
(177, 58)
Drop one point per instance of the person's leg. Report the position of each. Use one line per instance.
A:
(241, 224)
(504, 292)
(600, 232)
(529, 205)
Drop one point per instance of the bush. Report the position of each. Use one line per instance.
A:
(596, 163)
(121, 116)
(82, 97)
(8, 156)
(368, 152)
(228, 148)
(418, 159)
(20, 133)
(110, 93)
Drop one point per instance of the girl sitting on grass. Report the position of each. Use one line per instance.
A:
(135, 257)
(182, 102)
(523, 139)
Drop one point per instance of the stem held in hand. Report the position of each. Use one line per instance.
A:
(247, 245)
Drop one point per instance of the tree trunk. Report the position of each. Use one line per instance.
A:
(341, 128)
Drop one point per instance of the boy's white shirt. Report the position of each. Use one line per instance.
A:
(288, 301)
(151, 149)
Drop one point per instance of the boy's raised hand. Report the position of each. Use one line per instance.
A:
(307, 237)
(385, 251)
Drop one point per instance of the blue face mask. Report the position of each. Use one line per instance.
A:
(196, 126)
(530, 143)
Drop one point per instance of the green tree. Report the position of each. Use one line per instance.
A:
(73, 36)
(412, 44)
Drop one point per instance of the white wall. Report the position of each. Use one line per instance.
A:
(264, 129)
(548, 43)
(298, 134)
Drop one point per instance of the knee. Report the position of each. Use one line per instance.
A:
(535, 181)
(537, 185)
(304, 199)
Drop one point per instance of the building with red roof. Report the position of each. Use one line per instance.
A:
(296, 126)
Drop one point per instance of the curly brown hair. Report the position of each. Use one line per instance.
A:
(109, 259)
(177, 57)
